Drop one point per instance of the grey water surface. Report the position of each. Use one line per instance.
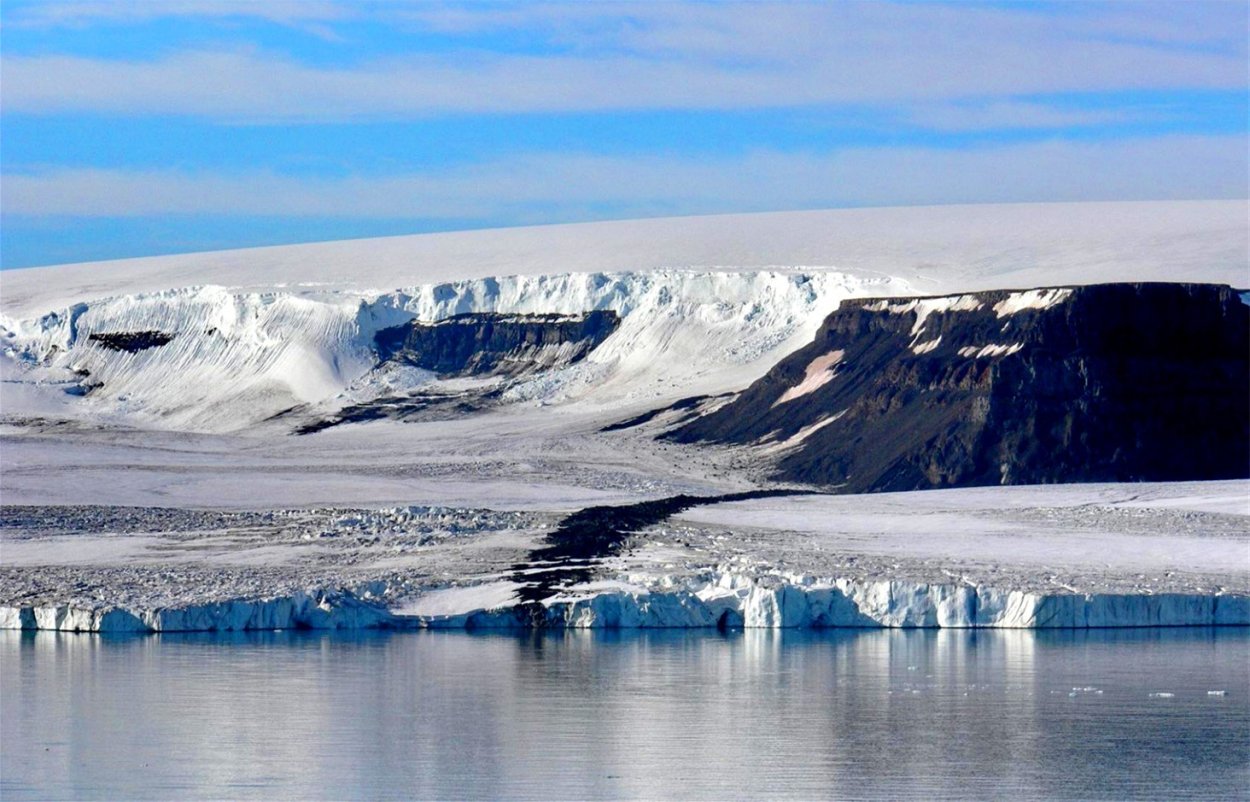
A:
(656, 715)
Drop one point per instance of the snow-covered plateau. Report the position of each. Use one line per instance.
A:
(216, 441)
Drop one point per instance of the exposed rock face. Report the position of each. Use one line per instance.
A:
(132, 341)
(478, 344)
(1111, 382)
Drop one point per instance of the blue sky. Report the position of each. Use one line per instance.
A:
(146, 127)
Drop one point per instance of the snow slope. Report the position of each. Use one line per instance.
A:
(238, 358)
(260, 331)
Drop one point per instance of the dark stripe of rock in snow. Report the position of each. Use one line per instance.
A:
(481, 344)
(131, 341)
(569, 555)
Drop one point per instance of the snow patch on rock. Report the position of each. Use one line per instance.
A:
(819, 372)
(1031, 299)
(923, 307)
(926, 347)
(994, 349)
(798, 437)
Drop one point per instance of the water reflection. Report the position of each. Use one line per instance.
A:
(626, 714)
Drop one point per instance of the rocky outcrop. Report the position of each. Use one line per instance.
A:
(131, 341)
(1111, 382)
(480, 344)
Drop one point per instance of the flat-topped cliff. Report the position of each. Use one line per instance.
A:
(1108, 382)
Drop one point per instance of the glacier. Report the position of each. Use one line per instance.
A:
(313, 610)
(736, 603)
(705, 302)
(1161, 554)
(256, 354)
(731, 602)
(151, 478)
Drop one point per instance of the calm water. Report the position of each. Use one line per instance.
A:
(655, 715)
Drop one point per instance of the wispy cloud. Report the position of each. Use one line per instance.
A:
(997, 114)
(736, 28)
(82, 13)
(562, 111)
(785, 30)
(656, 56)
(557, 186)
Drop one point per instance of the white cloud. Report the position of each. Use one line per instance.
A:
(654, 56)
(82, 13)
(568, 187)
(1011, 114)
(785, 30)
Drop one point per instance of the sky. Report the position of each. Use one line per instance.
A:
(142, 127)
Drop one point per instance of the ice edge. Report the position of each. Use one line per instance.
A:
(728, 603)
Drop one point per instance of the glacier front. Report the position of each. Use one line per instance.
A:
(1170, 554)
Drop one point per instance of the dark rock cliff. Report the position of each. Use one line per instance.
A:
(132, 341)
(479, 344)
(1112, 382)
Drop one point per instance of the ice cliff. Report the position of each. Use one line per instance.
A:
(310, 610)
(731, 601)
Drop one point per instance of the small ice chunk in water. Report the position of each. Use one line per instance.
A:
(1161, 695)
(1217, 693)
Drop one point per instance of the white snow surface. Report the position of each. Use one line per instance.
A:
(938, 249)
(1066, 526)
(707, 304)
